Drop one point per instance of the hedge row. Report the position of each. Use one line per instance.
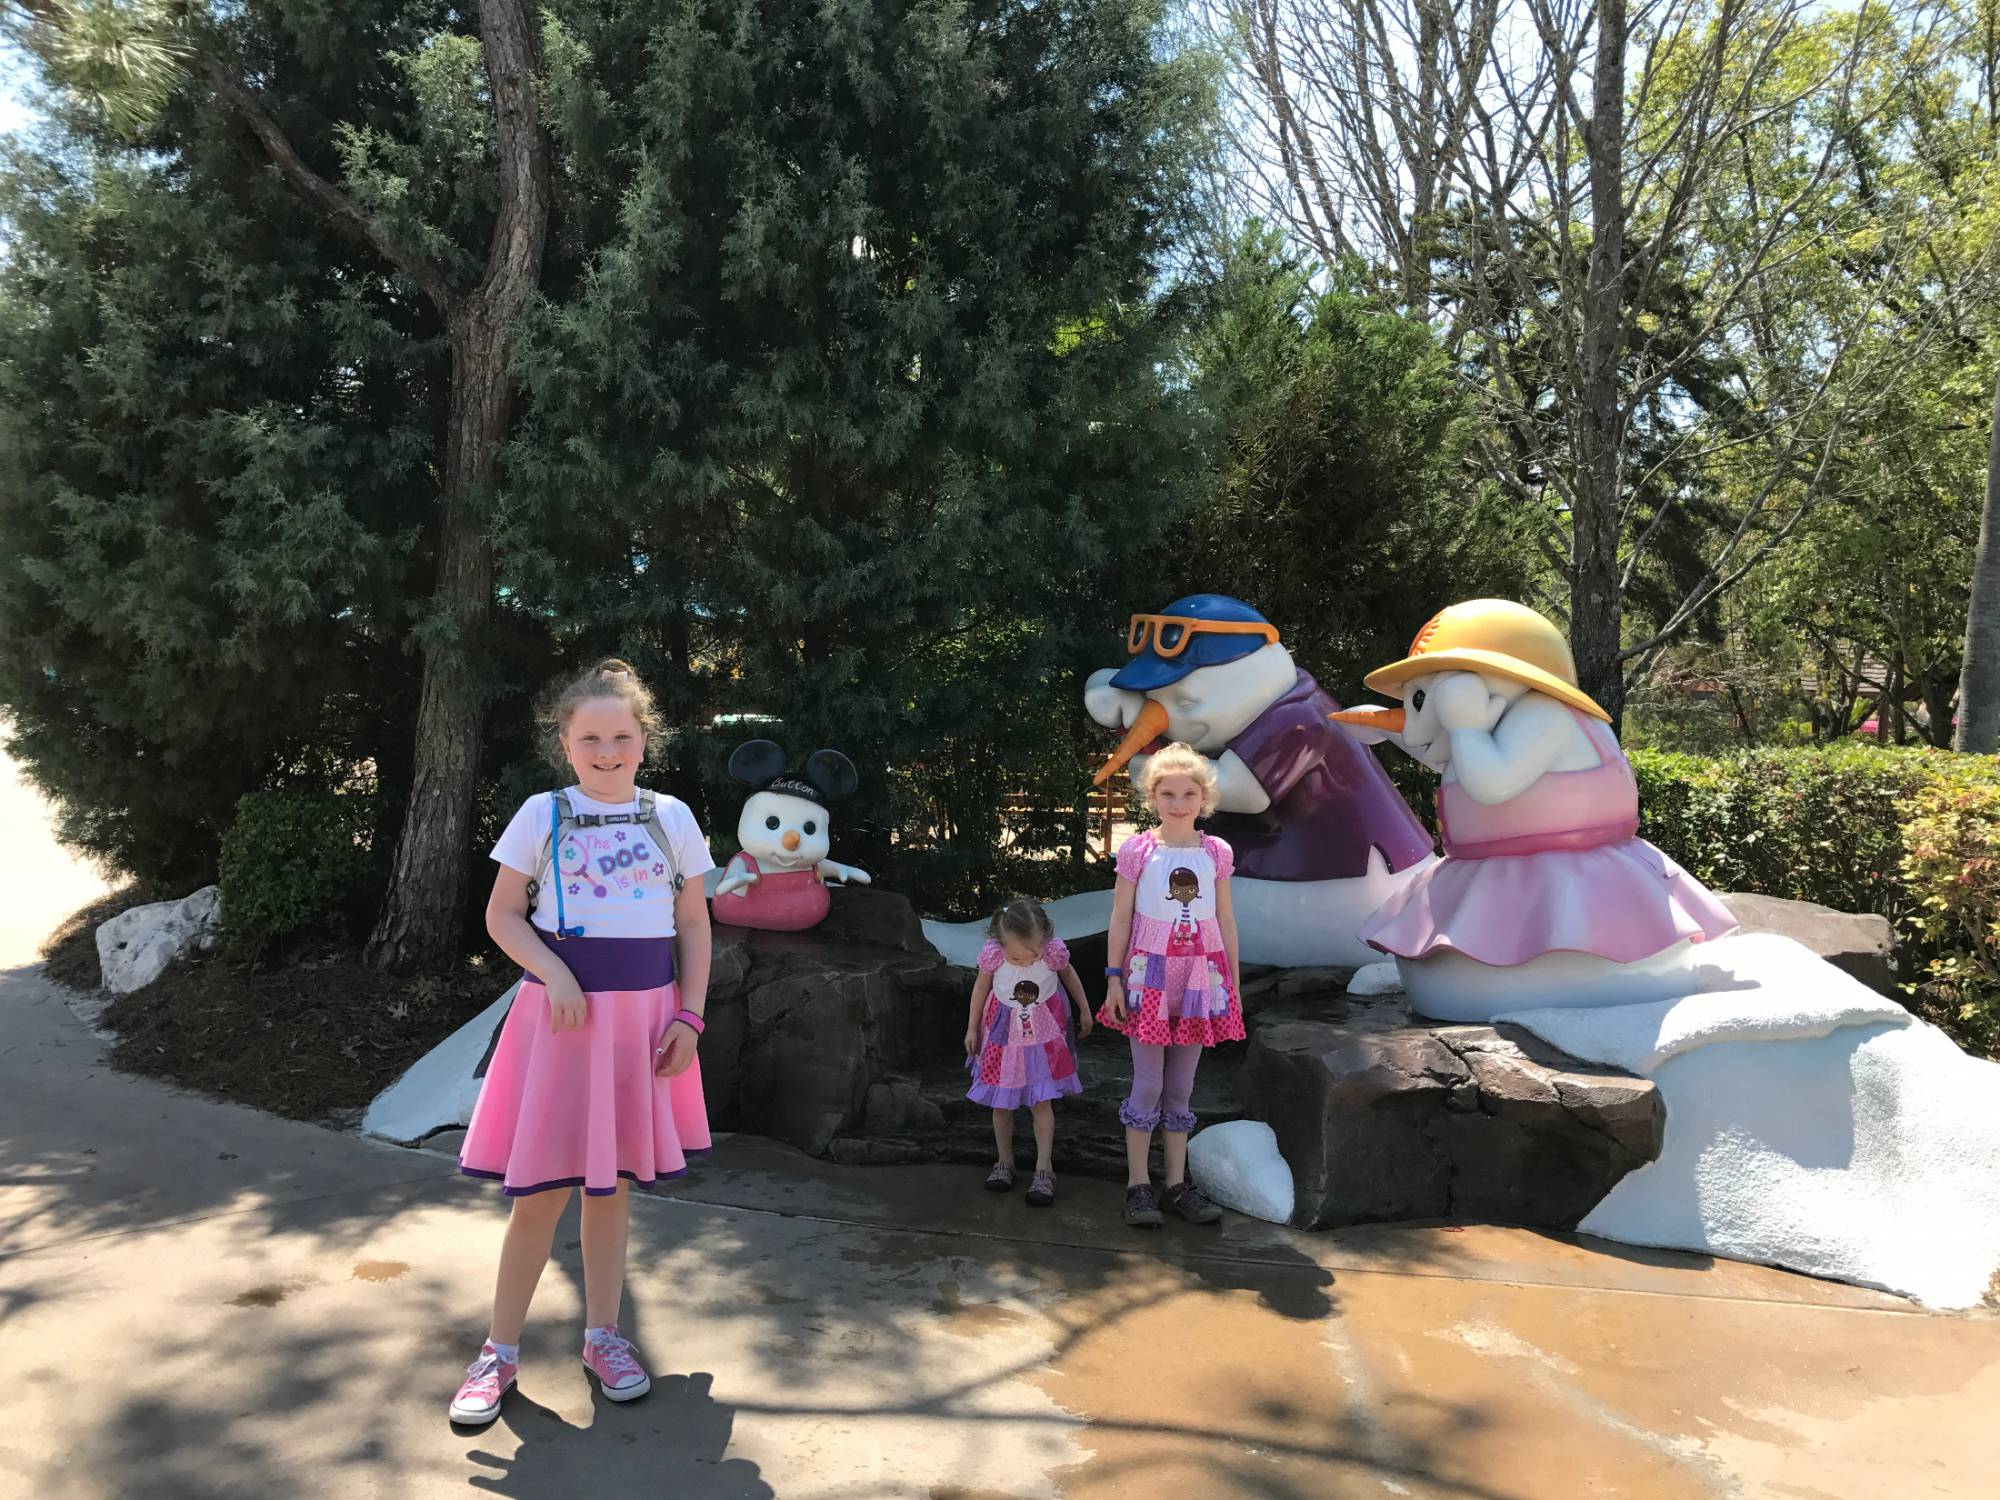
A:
(1913, 834)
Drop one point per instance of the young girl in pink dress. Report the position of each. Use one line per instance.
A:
(1173, 946)
(593, 1082)
(1017, 1040)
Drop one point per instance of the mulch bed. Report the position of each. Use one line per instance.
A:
(70, 955)
(315, 1038)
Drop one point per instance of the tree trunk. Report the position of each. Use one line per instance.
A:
(419, 924)
(1595, 591)
(1979, 678)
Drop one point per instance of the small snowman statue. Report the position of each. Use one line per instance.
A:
(778, 881)
(1320, 834)
(1546, 896)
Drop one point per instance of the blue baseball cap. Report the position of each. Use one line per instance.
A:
(1174, 643)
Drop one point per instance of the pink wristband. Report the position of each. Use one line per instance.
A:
(694, 1021)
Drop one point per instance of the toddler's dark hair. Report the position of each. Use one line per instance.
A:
(1023, 920)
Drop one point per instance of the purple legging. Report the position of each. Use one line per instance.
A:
(1162, 1087)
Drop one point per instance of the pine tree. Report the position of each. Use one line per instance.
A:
(216, 418)
(861, 401)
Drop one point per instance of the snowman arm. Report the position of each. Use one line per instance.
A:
(1114, 708)
(1498, 765)
(735, 877)
(1237, 790)
(834, 870)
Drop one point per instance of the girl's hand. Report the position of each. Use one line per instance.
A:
(1114, 1003)
(567, 1010)
(677, 1050)
(1083, 1022)
(972, 1041)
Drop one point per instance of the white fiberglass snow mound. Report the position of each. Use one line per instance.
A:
(1811, 1124)
(1237, 1164)
(439, 1090)
(1074, 917)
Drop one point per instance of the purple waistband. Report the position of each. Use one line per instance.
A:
(615, 963)
(1546, 842)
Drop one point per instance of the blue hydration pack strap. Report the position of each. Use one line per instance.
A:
(555, 849)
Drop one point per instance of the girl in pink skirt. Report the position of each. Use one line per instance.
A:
(1174, 929)
(593, 1083)
(1017, 1038)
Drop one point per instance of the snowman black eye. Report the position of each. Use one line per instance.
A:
(812, 827)
(1417, 700)
(772, 823)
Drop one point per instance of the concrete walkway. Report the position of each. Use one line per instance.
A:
(197, 1300)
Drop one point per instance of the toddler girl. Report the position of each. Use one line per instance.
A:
(593, 1083)
(1173, 949)
(1017, 1040)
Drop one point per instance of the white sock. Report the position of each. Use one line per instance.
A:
(599, 1335)
(509, 1352)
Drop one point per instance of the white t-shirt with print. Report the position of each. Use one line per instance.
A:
(614, 884)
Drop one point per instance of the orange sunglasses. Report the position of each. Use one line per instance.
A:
(1170, 634)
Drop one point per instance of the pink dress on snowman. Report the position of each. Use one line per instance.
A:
(1178, 987)
(788, 901)
(1559, 868)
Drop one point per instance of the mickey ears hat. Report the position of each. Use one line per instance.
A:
(1202, 630)
(828, 777)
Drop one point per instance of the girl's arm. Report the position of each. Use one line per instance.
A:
(981, 988)
(508, 925)
(694, 947)
(1118, 944)
(1225, 918)
(1073, 986)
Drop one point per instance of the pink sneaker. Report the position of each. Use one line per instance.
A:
(486, 1381)
(618, 1371)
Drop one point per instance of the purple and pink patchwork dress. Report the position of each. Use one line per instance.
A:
(1178, 986)
(1026, 1058)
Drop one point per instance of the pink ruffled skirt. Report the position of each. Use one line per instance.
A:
(1622, 901)
(583, 1107)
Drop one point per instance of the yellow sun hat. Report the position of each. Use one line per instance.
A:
(1495, 636)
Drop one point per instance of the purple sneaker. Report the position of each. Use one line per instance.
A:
(618, 1371)
(1187, 1200)
(1042, 1191)
(487, 1379)
(1141, 1211)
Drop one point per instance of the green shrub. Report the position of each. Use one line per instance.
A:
(1899, 832)
(1951, 864)
(297, 864)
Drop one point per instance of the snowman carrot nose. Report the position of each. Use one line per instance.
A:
(1388, 720)
(791, 841)
(1149, 726)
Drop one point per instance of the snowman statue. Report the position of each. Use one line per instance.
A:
(1320, 834)
(778, 880)
(1546, 896)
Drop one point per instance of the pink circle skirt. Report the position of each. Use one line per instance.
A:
(582, 1107)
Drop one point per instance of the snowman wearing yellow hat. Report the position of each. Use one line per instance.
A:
(1546, 895)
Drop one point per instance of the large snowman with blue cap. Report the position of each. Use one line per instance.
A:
(1322, 839)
